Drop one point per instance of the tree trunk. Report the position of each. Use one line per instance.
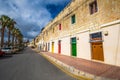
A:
(8, 38)
(13, 40)
(2, 36)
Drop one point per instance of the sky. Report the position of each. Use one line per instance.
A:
(32, 15)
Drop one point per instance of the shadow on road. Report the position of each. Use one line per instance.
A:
(19, 52)
(6, 57)
(10, 55)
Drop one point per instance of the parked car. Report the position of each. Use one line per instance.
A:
(15, 49)
(2, 53)
(21, 48)
(32, 46)
(7, 50)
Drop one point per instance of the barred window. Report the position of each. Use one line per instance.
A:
(93, 7)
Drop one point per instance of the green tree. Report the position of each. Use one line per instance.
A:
(10, 27)
(17, 37)
(13, 36)
(4, 21)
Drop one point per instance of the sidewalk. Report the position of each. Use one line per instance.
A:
(90, 69)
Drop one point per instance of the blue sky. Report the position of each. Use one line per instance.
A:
(31, 15)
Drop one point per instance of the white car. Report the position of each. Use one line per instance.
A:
(7, 50)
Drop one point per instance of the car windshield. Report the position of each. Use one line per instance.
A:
(6, 48)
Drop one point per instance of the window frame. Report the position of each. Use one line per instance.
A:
(73, 19)
(93, 7)
(53, 30)
(60, 26)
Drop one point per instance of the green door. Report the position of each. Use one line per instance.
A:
(73, 47)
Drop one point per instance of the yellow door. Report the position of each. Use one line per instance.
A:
(52, 47)
(97, 51)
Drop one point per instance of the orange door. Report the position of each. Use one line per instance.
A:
(97, 51)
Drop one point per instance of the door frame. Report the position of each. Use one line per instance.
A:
(96, 38)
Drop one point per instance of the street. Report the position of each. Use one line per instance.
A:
(28, 65)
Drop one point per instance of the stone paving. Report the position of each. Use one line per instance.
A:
(99, 70)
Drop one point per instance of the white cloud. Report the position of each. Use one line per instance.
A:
(33, 33)
(30, 15)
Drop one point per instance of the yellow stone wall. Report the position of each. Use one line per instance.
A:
(108, 11)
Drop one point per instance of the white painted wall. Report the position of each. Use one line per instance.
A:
(55, 46)
(83, 46)
(110, 44)
(65, 46)
(50, 46)
(118, 49)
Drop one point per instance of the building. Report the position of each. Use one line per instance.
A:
(87, 29)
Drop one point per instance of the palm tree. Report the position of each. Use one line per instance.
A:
(4, 20)
(10, 26)
(20, 38)
(17, 37)
(13, 35)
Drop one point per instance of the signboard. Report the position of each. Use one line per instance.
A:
(96, 37)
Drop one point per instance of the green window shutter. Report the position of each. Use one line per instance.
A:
(73, 19)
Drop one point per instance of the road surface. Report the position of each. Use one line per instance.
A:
(28, 65)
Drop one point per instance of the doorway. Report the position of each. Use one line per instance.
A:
(97, 51)
(97, 46)
(52, 47)
(73, 47)
(59, 46)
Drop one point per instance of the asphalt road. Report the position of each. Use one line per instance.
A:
(28, 65)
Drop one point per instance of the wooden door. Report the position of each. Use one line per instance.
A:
(97, 51)
(59, 46)
(46, 47)
(52, 47)
(73, 47)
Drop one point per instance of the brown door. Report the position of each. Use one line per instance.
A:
(97, 51)
(59, 46)
(46, 47)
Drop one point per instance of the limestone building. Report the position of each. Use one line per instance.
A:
(87, 29)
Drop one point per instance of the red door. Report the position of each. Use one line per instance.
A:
(59, 46)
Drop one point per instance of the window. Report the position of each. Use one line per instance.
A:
(96, 36)
(73, 19)
(59, 26)
(93, 7)
(46, 33)
(73, 40)
(53, 30)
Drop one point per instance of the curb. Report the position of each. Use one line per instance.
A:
(65, 68)
(70, 70)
